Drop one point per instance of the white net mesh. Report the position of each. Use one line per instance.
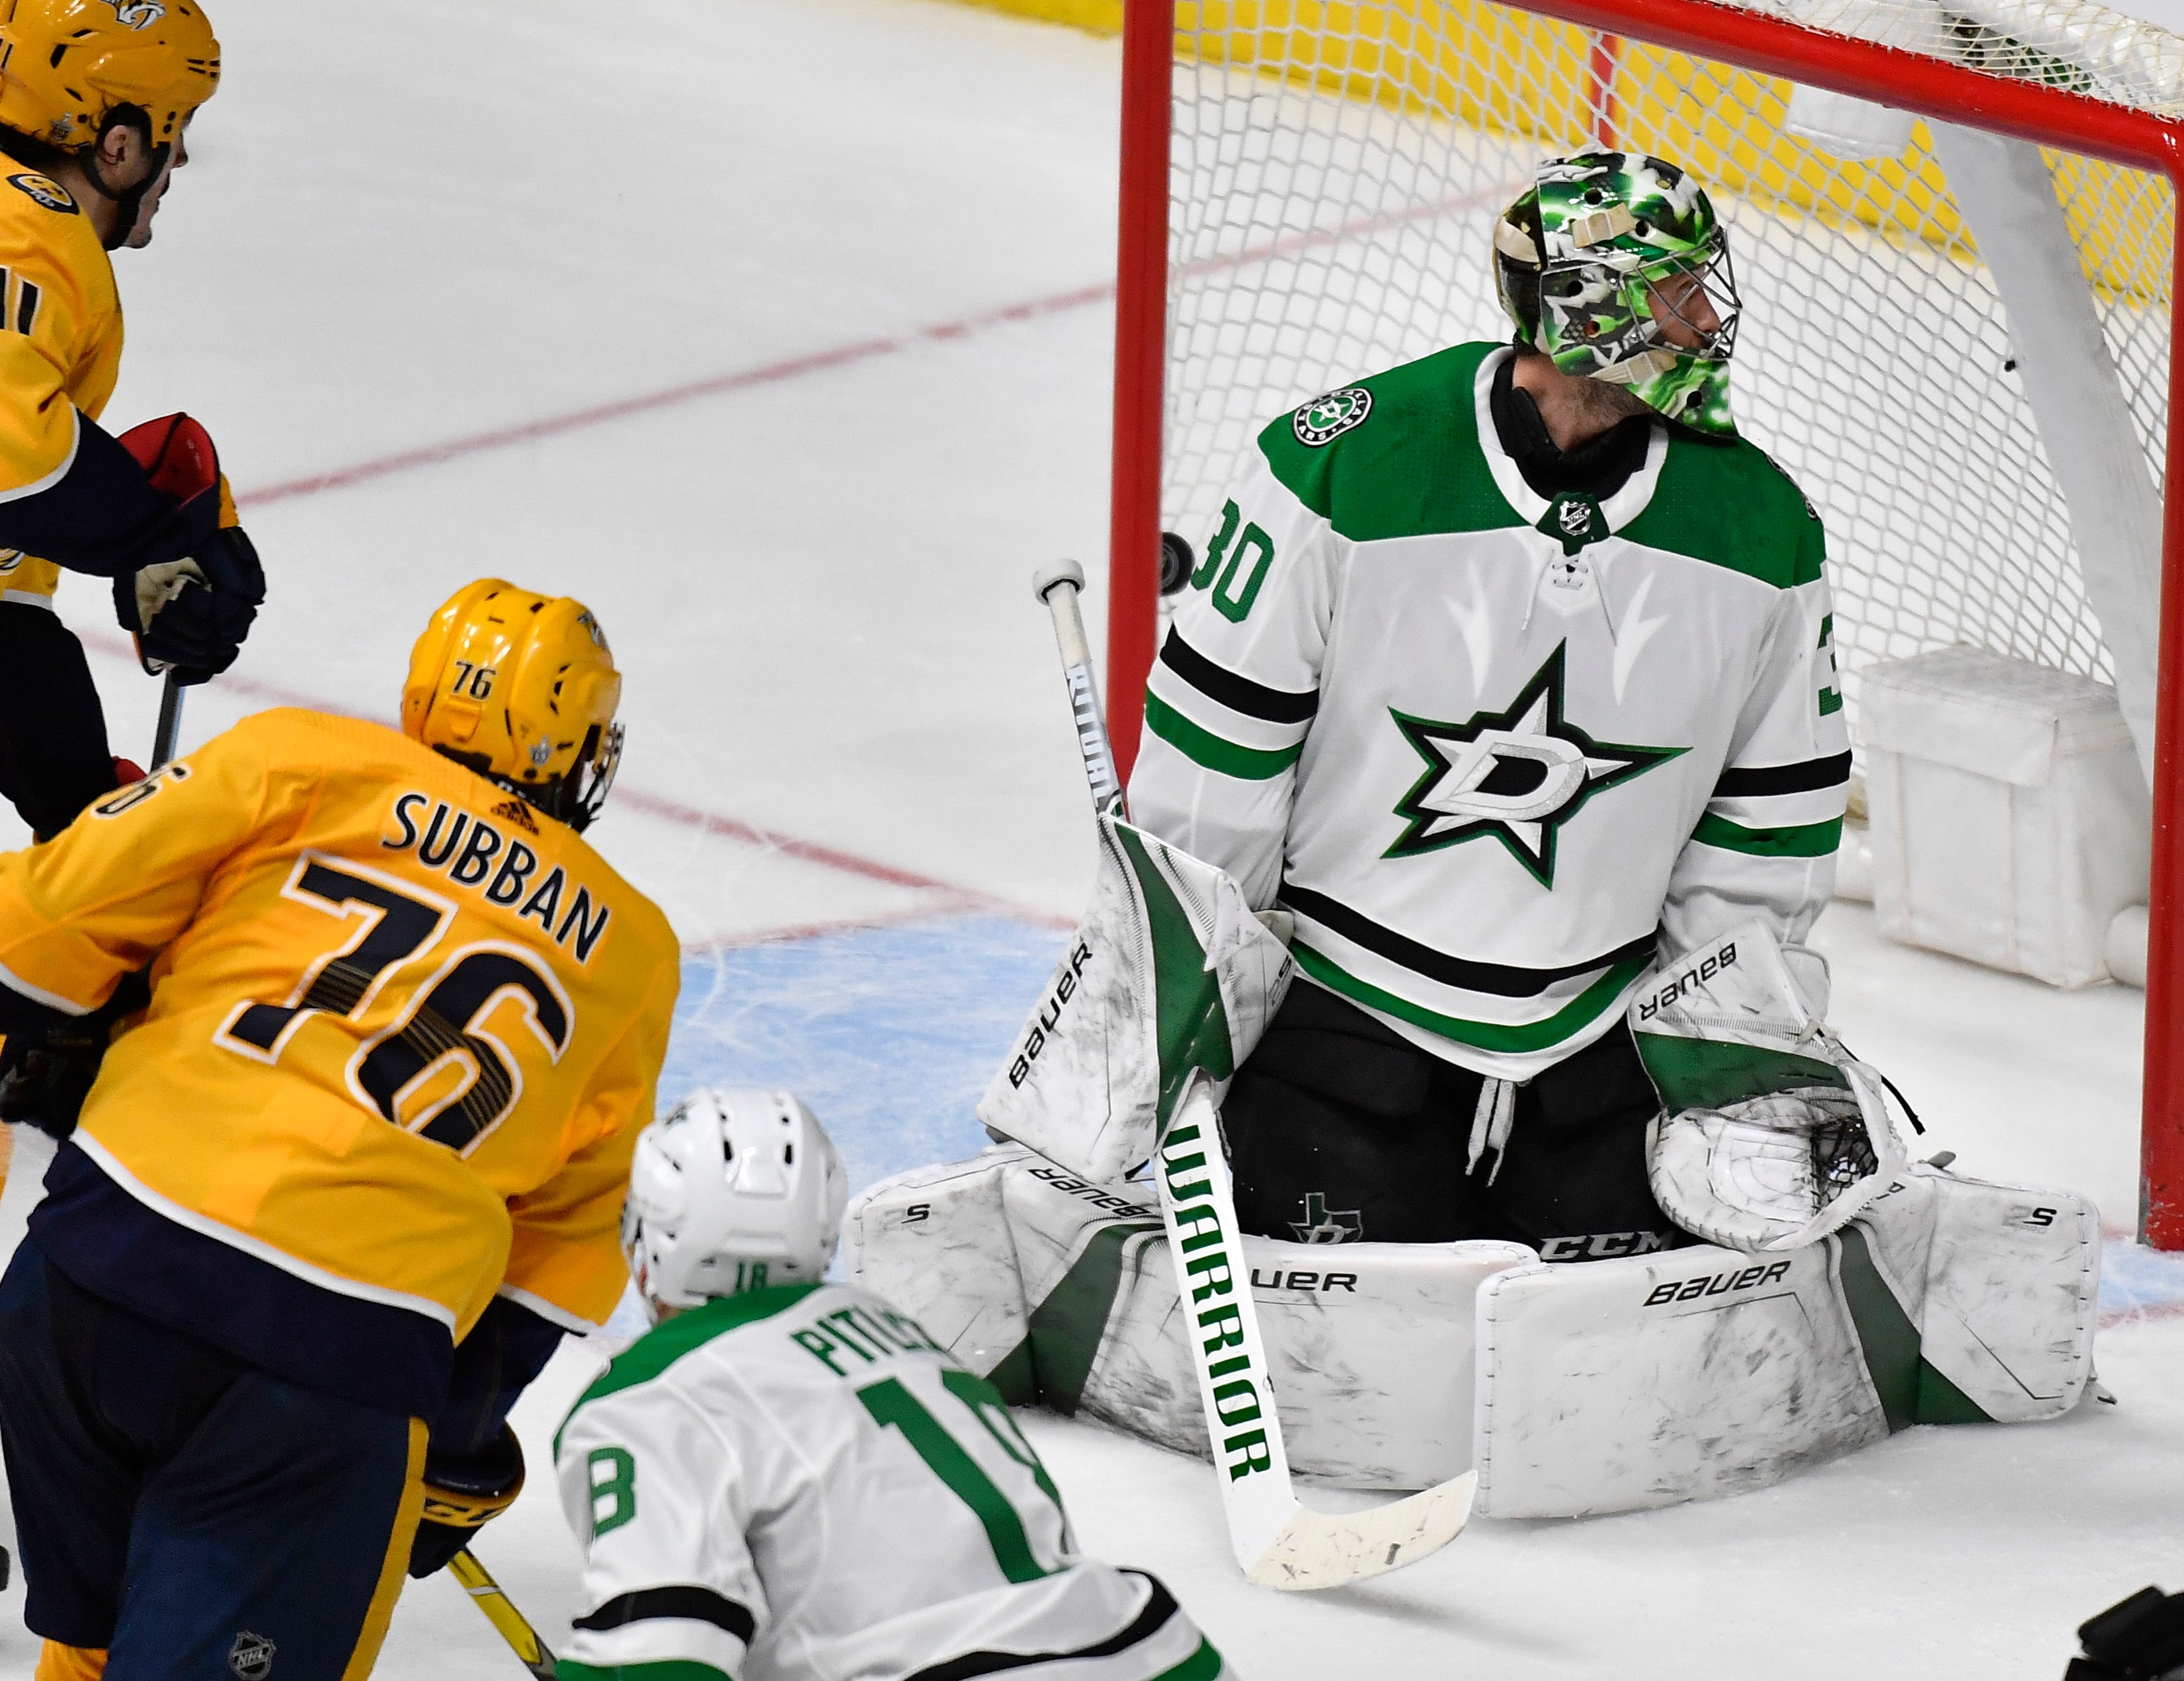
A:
(1336, 174)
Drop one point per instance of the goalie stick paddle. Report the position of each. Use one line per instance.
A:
(1278, 1541)
(500, 1611)
(168, 736)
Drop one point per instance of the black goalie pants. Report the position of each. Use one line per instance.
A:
(1341, 1130)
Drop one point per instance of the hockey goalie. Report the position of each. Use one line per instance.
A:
(1493, 773)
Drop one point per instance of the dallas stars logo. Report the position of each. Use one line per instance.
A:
(1323, 1225)
(1518, 775)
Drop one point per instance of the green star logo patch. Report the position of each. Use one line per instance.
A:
(1516, 775)
(1324, 419)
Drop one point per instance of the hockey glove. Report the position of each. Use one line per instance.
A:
(464, 1492)
(2139, 1639)
(190, 614)
(47, 1071)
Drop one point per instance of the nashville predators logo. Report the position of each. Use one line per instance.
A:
(138, 13)
(41, 191)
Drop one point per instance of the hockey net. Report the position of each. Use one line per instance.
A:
(1335, 191)
(1335, 170)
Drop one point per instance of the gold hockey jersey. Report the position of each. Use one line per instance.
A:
(403, 1031)
(60, 348)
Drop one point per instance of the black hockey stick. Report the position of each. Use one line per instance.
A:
(167, 737)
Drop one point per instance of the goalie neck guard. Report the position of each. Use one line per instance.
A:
(1599, 256)
(520, 688)
(67, 68)
(734, 1191)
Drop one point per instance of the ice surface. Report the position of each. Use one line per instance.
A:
(851, 777)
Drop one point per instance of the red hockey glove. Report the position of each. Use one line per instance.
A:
(192, 613)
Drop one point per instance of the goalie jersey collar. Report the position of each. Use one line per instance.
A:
(1556, 514)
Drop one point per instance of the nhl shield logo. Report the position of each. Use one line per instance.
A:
(251, 1656)
(1325, 418)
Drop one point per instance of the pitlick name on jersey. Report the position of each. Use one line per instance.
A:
(871, 1335)
(475, 854)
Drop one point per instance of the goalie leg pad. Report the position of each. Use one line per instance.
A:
(1063, 1291)
(934, 1242)
(1708, 1372)
(2001, 1282)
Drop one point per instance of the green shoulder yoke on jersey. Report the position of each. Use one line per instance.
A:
(1725, 502)
(660, 1347)
(1412, 466)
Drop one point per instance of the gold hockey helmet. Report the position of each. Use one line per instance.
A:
(520, 688)
(66, 64)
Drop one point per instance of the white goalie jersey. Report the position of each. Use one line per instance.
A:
(796, 1483)
(1497, 752)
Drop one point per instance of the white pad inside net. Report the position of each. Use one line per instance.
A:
(1334, 183)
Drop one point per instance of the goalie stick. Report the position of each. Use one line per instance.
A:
(500, 1611)
(1278, 1541)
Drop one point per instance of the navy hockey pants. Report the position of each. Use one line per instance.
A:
(1341, 1130)
(190, 1513)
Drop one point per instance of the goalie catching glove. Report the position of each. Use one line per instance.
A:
(190, 614)
(463, 1493)
(1771, 1134)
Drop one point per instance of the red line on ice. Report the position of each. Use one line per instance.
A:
(720, 384)
(675, 811)
(821, 361)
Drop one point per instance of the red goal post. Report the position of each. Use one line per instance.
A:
(2144, 136)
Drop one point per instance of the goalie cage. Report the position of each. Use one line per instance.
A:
(1307, 191)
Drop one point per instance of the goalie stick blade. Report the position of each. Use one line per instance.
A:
(1327, 1549)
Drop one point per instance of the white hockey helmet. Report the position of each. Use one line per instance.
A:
(735, 1190)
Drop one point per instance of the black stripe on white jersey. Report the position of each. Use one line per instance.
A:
(1238, 694)
(1805, 777)
(1502, 980)
(680, 1604)
(1148, 1623)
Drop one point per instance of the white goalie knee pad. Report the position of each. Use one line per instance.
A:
(1064, 1290)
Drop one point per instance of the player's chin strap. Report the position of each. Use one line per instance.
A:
(129, 201)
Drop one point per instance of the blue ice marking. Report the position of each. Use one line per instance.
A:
(890, 1034)
(2136, 1279)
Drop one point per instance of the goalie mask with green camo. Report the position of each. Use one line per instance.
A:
(1614, 266)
